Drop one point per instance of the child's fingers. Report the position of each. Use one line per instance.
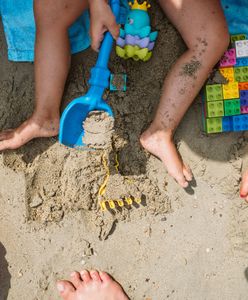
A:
(113, 27)
(96, 37)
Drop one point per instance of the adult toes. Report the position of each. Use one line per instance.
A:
(66, 289)
(105, 277)
(76, 279)
(95, 275)
(85, 275)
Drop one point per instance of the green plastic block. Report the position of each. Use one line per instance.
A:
(214, 125)
(215, 109)
(241, 74)
(213, 92)
(237, 37)
(232, 107)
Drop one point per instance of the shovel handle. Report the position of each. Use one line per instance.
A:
(107, 44)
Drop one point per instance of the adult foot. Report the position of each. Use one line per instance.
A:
(32, 128)
(244, 186)
(160, 144)
(91, 286)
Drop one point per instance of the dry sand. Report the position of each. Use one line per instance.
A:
(176, 245)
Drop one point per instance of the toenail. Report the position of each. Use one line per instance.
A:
(84, 272)
(73, 274)
(60, 287)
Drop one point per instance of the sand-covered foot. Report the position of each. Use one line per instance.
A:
(244, 186)
(90, 286)
(30, 129)
(161, 145)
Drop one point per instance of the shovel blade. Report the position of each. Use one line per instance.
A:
(71, 123)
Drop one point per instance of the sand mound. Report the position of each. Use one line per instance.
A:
(98, 128)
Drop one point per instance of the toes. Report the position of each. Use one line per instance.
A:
(6, 135)
(65, 288)
(85, 276)
(244, 186)
(187, 173)
(95, 275)
(76, 279)
(180, 179)
(105, 277)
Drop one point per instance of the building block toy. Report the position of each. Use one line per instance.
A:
(232, 107)
(243, 102)
(228, 73)
(136, 39)
(241, 74)
(231, 90)
(241, 62)
(118, 82)
(241, 48)
(215, 109)
(240, 123)
(243, 95)
(213, 125)
(243, 85)
(228, 59)
(244, 109)
(225, 105)
(227, 124)
(237, 37)
(213, 92)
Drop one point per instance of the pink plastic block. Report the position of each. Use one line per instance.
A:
(228, 59)
(244, 109)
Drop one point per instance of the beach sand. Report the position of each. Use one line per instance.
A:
(175, 244)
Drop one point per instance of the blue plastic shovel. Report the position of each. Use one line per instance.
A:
(71, 123)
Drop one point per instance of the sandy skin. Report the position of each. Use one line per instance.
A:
(91, 285)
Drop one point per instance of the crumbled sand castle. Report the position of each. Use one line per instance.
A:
(98, 130)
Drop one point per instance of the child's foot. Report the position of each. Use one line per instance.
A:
(161, 145)
(90, 286)
(244, 186)
(30, 129)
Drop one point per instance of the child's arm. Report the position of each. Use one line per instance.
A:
(102, 19)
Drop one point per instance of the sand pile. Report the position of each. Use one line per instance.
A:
(98, 128)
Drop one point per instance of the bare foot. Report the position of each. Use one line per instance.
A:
(30, 129)
(161, 145)
(244, 186)
(90, 286)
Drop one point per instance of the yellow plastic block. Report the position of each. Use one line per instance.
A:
(111, 204)
(103, 205)
(228, 73)
(129, 201)
(231, 90)
(137, 200)
(120, 203)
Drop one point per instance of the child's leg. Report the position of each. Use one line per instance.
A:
(52, 62)
(203, 28)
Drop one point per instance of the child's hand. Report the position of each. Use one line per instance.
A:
(102, 20)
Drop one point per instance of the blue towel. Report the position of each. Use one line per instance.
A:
(19, 28)
(236, 12)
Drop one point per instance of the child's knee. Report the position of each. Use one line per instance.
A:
(50, 14)
(218, 39)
